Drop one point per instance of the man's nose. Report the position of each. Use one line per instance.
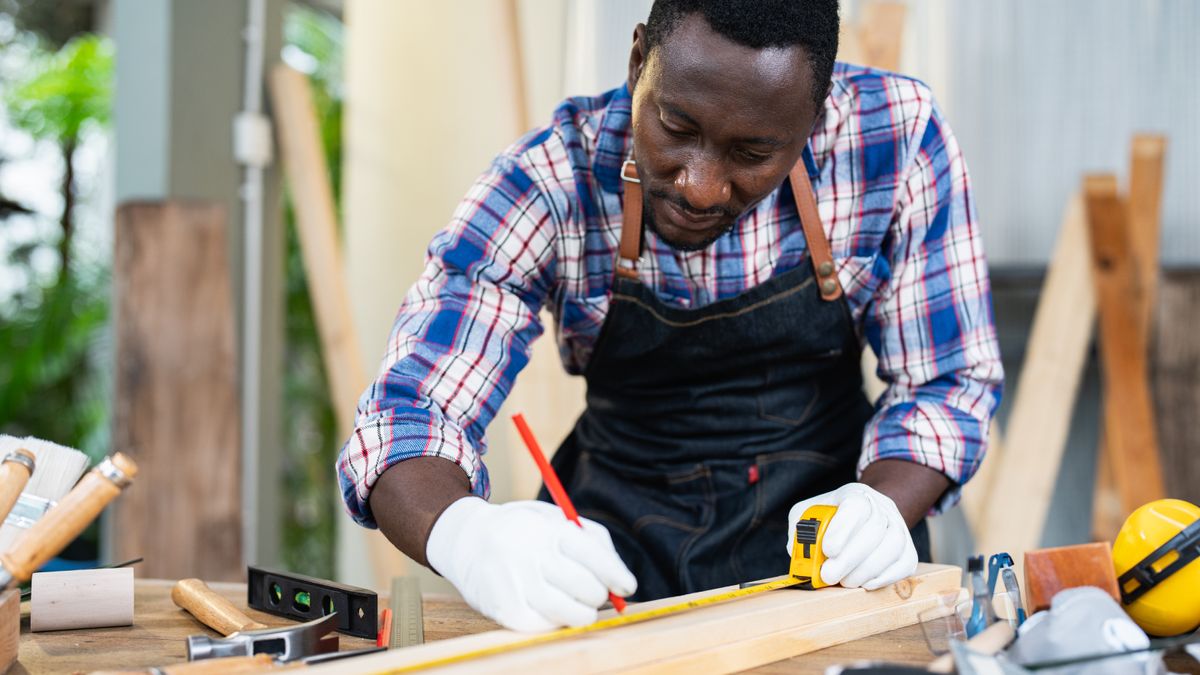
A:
(703, 185)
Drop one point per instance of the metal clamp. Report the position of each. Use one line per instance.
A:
(113, 474)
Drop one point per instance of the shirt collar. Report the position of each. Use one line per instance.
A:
(614, 140)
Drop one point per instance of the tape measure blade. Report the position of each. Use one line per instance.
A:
(408, 620)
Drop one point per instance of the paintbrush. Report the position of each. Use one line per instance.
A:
(58, 469)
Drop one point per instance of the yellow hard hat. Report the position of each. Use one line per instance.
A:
(1157, 560)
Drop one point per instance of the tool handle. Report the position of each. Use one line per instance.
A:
(63, 522)
(14, 475)
(555, 487)
(211, 609)
(231, 665)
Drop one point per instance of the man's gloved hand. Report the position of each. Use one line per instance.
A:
(866, 543)
(524, 565)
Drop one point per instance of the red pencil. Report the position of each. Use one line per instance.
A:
(555, 487)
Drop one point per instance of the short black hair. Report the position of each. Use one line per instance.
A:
(759, 24)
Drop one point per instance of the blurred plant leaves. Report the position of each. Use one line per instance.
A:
(312, 442)
(54, 347)
(67, 90)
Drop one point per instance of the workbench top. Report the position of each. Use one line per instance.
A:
(158, 634)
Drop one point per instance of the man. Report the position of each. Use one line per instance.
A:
(717, 312)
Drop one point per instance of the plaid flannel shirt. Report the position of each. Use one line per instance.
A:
(540, 228)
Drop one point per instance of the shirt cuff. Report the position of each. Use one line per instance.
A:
(380, 443)
(933, 435)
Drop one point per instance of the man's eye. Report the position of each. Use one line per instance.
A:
(752, 156)
(676, 132)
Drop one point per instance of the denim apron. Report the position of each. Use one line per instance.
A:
(704, 426)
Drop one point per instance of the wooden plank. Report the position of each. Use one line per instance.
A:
(1145, 207)
(738, 634)
(1131, 436)
(1014, 510)
(176, 411)
(1177, 382)
(316, 223)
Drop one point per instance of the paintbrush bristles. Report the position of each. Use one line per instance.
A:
(58, 469)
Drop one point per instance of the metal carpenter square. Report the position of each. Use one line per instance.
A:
(303, 598)
(408, 621)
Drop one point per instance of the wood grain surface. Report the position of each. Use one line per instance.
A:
(176, 409)
(158, 634)
(722, 638)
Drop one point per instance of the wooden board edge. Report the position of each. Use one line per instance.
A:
(786, 644)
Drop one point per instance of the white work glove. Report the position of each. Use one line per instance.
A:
(524, 565)
(866, 543)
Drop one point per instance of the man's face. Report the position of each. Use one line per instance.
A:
(716, 128)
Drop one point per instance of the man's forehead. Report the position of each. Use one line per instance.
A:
(694, 62)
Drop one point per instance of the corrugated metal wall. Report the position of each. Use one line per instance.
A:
(1041, 92)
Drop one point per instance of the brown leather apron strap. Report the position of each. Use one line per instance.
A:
(814, 234)
(631, 222)
(806, 205)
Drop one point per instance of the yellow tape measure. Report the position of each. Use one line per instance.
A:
(804, 572)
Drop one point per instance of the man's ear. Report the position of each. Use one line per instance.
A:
(637, 55)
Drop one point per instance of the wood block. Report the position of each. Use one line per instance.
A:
(10, 628)
(81, 599)
(722, 638)
(176, 410)
(1050, 570)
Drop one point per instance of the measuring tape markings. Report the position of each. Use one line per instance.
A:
(603, 624)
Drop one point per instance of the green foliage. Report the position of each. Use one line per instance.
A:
(311, 431)
(52, 379)
(67, 91)
(53, 335)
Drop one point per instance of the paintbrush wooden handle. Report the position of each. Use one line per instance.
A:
(62, 523)
(15, 471)
(211, 609)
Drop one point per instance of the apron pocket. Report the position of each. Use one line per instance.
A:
(789, 395)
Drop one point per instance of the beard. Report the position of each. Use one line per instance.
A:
(651, 222)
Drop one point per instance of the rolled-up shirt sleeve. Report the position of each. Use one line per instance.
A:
(461, 336)
(931, 322)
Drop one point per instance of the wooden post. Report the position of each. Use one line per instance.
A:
(1145, 205)
(1131, 437)
(176, 409)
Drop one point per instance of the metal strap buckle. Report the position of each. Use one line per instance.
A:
(627, 178)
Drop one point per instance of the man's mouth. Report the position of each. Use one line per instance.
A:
(689, 220)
